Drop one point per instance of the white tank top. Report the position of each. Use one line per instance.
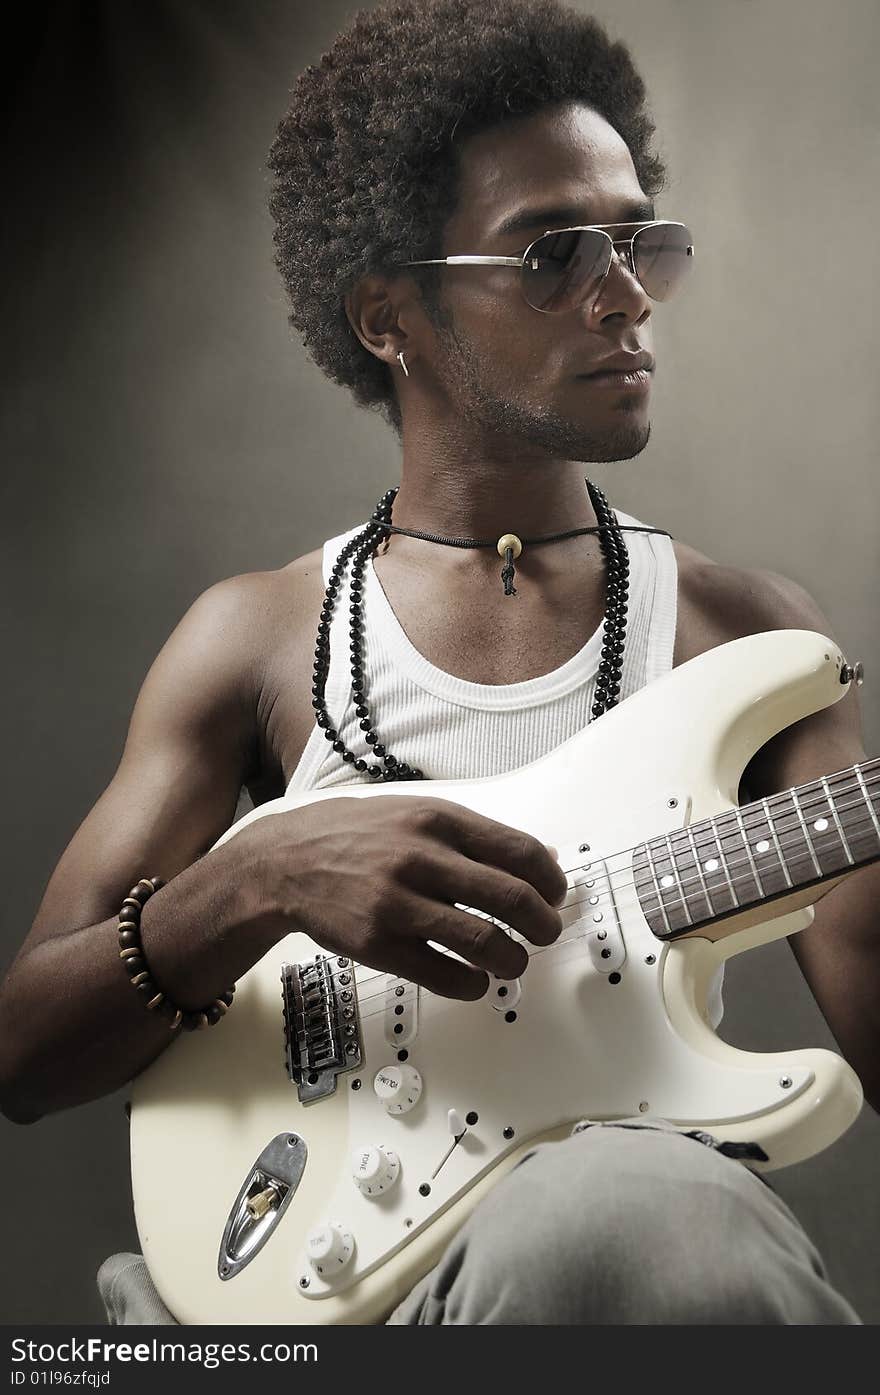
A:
(454, 729)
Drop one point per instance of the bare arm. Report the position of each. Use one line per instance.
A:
(71, 1029)
(838, 952)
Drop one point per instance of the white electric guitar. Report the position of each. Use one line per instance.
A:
(310, 1159)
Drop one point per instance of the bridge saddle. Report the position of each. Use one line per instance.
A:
(322, 1032)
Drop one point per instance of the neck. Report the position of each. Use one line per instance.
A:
(769, 850)
(453, 507)
(482, 492)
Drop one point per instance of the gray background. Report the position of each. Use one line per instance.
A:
(161, 431)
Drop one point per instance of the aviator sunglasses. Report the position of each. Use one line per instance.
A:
(564, 268)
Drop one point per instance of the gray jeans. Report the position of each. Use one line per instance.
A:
(634, 1224)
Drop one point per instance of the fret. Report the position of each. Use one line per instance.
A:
(862, 831)
(723, 861)
(792, 843)
(729, 838)
(809, 842)
(772, 828)
(827, 828)
(870, 803)
(667, 927)
(712, 870)
(770, 868)
(838, 825)
(678, 885)
(793, 838)
(639, 865)
(697, 907)
(753, 865)
(646, 896)
(708, 898)
(706, 871)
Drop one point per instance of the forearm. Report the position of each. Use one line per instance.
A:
(72, 1029)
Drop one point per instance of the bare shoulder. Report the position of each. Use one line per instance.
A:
(225, 653)
(243, 611)
(259, 615)
(718, 603)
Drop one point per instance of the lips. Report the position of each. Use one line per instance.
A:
(621, 363)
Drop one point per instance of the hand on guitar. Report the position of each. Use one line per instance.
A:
(377, 879)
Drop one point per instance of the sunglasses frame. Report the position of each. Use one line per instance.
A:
(474, 259)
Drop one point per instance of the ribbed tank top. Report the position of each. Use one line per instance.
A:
(453, 729)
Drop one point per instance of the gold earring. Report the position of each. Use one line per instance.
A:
(403, 363)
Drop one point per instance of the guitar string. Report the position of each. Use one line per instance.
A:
(759, 820)
(746, 819)
(625, 881)
(394, 980)
(624, 904)
(800, 839)
(754, 819)
(628, 883)
(533, 951)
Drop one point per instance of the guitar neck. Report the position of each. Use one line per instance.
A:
(777, 849)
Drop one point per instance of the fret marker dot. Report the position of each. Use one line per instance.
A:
(762, 846)
(711, 865)
(820, 825)
(667, 880)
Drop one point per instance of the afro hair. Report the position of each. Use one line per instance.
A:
(365, 157)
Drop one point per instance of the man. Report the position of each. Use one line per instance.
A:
(432, 130)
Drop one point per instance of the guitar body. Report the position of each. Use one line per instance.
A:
(610, 1022)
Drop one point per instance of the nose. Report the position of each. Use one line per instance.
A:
(621, 294)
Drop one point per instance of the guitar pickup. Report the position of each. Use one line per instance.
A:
(591, 911)
(401, 1012)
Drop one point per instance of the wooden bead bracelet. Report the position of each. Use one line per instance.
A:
(134, 962)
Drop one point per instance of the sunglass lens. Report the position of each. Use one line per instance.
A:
(563, 268)
(662, 256)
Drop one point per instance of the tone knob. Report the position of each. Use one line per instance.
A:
(398, 1087)
(375, 1169)
(329, 1248)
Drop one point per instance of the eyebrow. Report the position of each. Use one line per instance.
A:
(566, 217)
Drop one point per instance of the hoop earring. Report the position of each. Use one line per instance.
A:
(403, 363)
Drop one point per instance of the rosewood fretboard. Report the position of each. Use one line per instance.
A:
(759, 852)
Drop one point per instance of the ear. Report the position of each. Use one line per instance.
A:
(374, 313)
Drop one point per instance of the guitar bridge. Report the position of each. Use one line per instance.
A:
(321, 1029)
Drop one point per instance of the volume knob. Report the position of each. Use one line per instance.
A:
(375, 1169)
(398, 1087)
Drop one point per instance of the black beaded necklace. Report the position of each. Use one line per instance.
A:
(365, 544)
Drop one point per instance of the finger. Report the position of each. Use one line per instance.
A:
(563, 885)
(438, 972)
(480, 942)
(513, 901)
(486, 840)
(509, 899)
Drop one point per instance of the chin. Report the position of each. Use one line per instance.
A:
(627, 440)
